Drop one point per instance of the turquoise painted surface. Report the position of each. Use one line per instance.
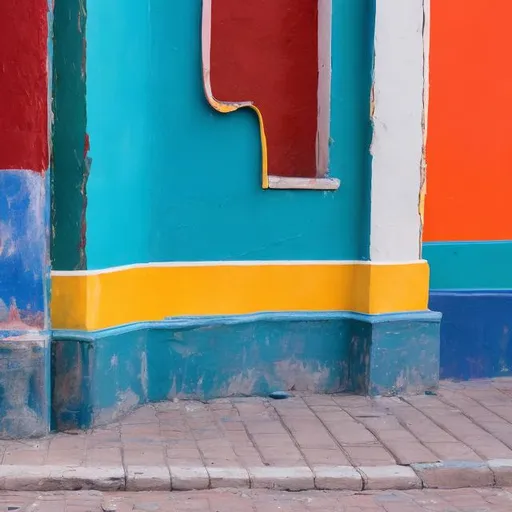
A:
(470, 265)
(172, 180)
(393, 357)
(100, 375)
(124, 368)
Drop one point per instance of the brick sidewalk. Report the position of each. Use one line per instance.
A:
(461, 437)
(226, 500)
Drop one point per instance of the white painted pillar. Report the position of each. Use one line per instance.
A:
(400, 97)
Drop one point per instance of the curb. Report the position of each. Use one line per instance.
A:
(440, 475)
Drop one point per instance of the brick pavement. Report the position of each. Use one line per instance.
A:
(461, 436)
(230, 500)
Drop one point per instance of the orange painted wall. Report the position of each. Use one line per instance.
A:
(469, 149)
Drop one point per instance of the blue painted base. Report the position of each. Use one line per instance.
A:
(24, 385)
(476, 333)
(99, 376)
(389, 356)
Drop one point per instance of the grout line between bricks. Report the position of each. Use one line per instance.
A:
(164, 449)
(487, 408)
(404, 425)
(292, 437)
(482, 457)
(360, 423)
(331, 435)
(201, 454)
(502, 391)
(447, 402)
(123, 463)
(251, 438)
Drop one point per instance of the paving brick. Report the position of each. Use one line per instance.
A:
(436, 439)
(144, 457)
(451, 419)
(405, 447)
(369, 456)
(72, 457)
(322, 457)
(22, 457)
(494, 424)
(103, 456)
(321, 433)
(463, 500)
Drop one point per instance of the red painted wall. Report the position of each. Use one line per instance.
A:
(266, 51)
(469, 149)
(23, 84)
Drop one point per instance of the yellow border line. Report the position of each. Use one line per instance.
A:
(91, 301)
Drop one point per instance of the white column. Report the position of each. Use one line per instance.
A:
(400, 97)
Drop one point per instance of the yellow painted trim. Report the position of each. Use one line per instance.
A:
(150, 293)
(227, 108)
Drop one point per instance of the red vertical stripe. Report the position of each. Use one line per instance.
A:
(23, 84)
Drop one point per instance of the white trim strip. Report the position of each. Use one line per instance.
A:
(287, 183)
(255, 263)
(398, 132)
(324, 87)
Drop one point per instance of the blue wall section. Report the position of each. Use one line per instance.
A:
(471, 285)
(24, 284)
(476, 333)
(24, 258)
(173, 180)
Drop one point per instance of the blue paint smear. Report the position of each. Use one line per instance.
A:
(173, 180)
(23, 247)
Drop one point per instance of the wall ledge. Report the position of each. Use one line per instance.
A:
(284, 183)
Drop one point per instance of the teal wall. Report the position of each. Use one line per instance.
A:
(471, 285)
(470, 265)
(172, 180)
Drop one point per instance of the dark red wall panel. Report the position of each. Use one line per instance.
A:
(23, 84)
(266, 51)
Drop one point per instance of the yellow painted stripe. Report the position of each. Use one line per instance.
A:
(149, 293)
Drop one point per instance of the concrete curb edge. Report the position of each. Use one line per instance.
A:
(440, 475)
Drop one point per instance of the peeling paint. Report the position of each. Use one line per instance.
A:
(24, 407)
(426, 92)
(398, 130)
(24, 266)
(231, 358)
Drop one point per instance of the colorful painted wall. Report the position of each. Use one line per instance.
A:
(468, 227)
(24, 218)
(188, 260)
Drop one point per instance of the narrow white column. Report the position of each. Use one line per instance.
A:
(400, 96)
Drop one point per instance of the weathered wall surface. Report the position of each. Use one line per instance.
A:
(167, 220)
(24, 218)
(468, 226)
(191, 191)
